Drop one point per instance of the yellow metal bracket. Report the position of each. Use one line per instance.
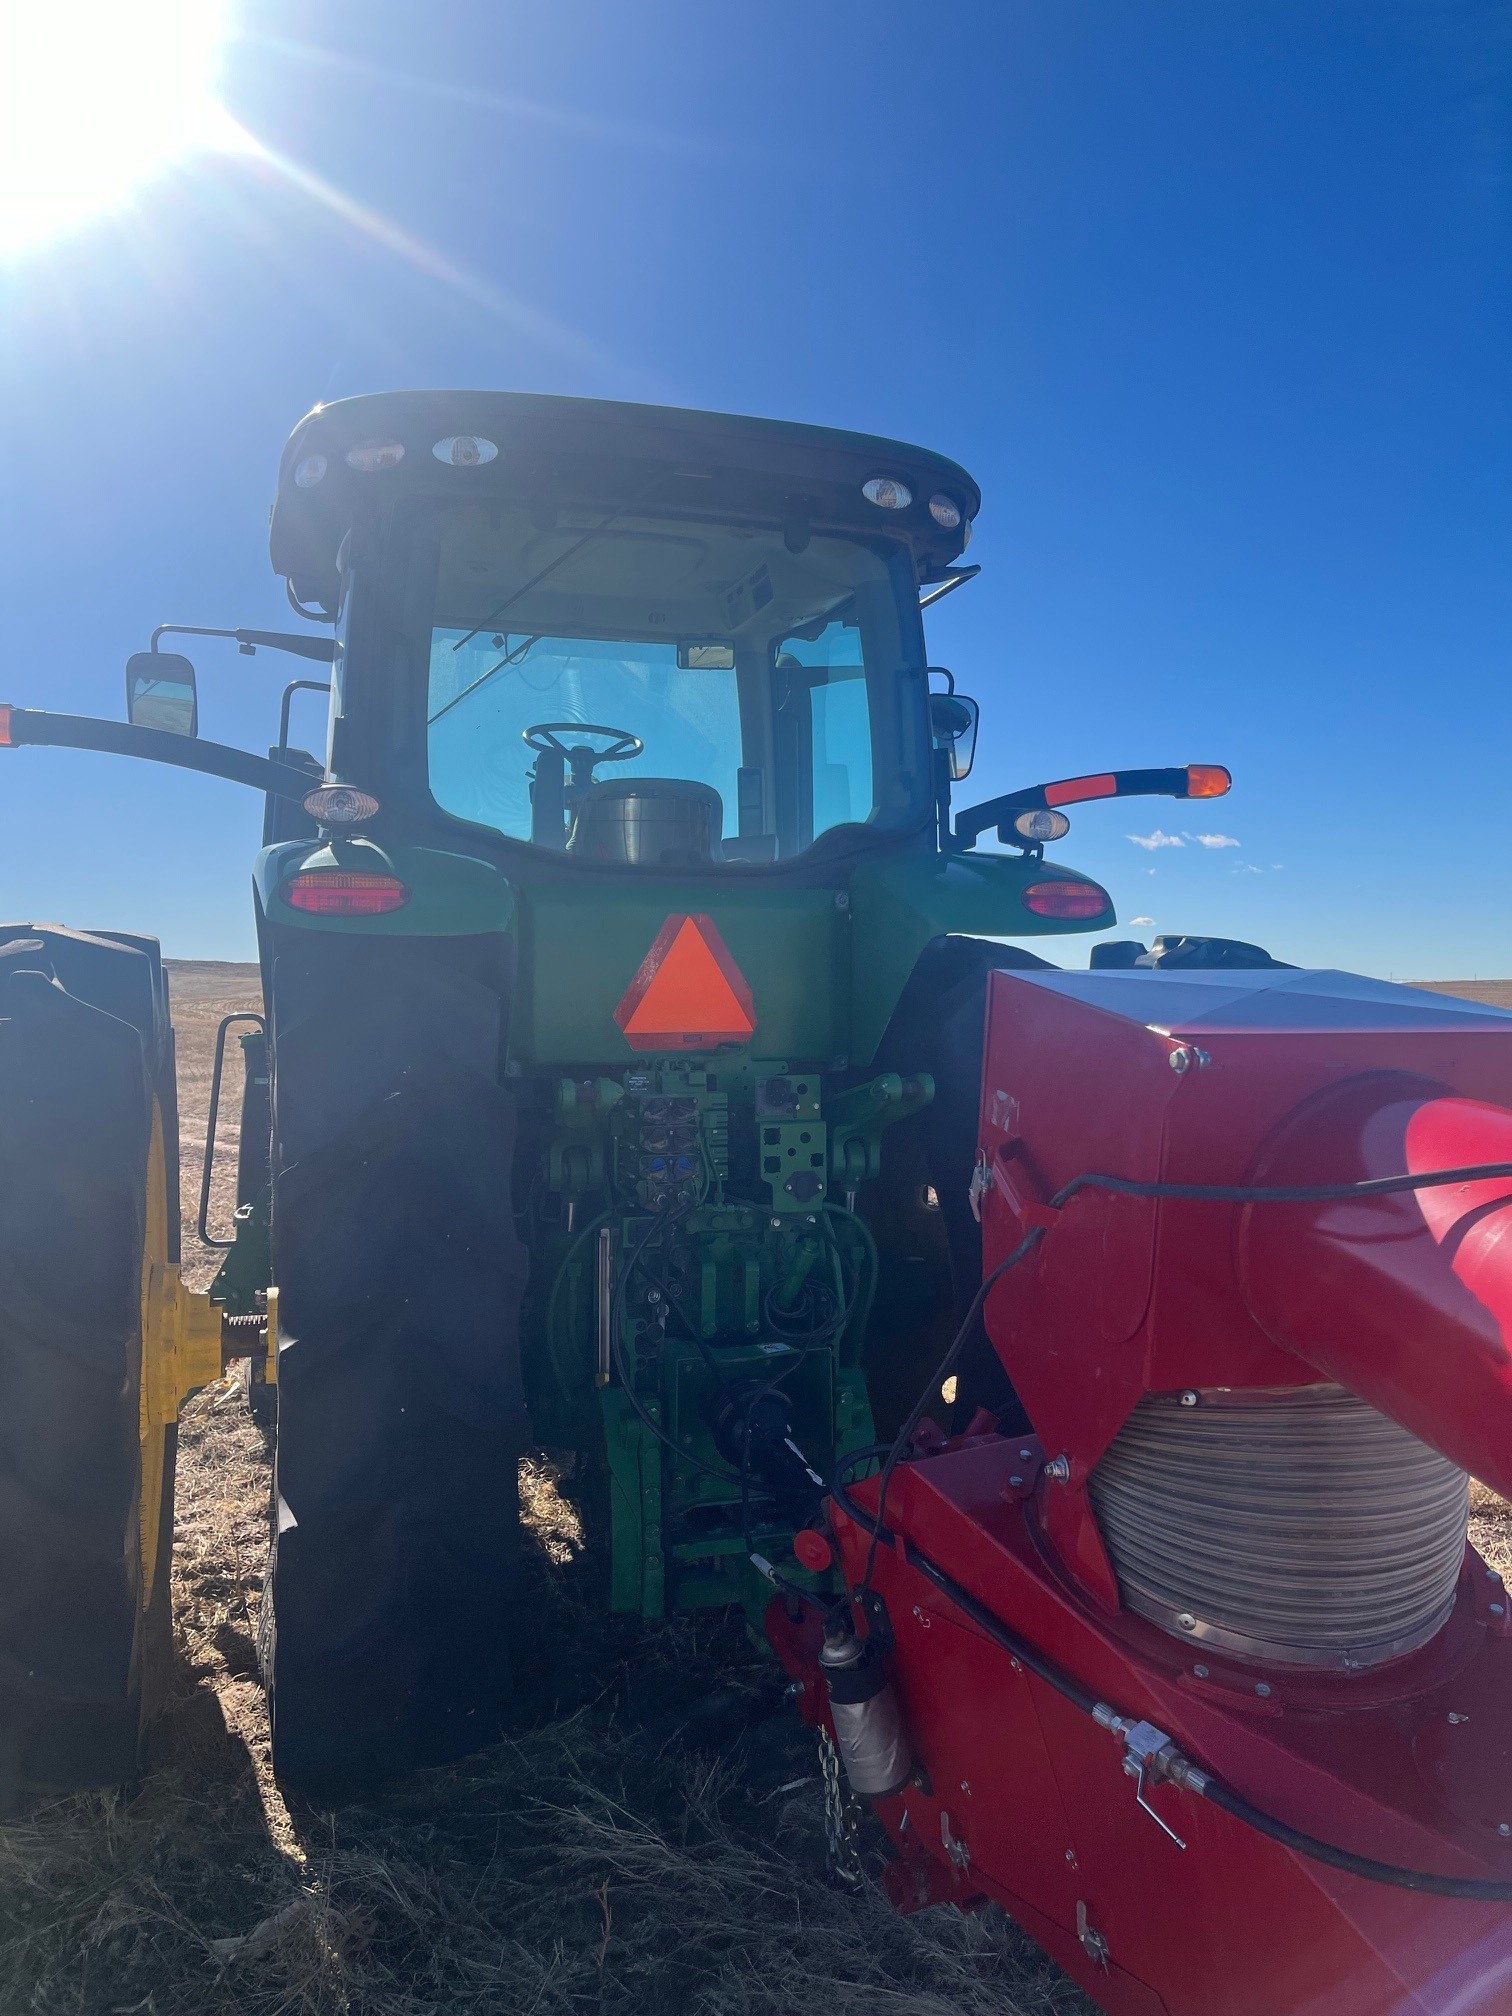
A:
(182, 1343)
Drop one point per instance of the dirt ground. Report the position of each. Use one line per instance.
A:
(649, 1843)
(1490, 993)
(202, 991)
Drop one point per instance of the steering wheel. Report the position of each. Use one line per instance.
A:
(544, 738)
(550, 793)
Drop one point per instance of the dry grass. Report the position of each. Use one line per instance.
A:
(1490, 993)
(649, 1841)
(202, 991)
(654, 1844)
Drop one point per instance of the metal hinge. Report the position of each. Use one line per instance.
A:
(1093, 1944)
(981, 1183)
(955, 1848)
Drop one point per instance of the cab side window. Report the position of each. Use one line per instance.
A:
(824, 732)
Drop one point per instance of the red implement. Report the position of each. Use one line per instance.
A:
(1250, 1542)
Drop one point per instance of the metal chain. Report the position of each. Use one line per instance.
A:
(842, 1815)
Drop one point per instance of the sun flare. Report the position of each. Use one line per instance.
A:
(97, 97)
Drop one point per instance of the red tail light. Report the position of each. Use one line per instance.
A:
(5, 729)
(326, 892)
(1065, 899)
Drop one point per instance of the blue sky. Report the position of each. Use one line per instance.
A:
(1212, 299)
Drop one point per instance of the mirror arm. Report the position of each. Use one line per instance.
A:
(941, 762)
(321, 649)
(975, 819)
(33, 726)
(295, 686)
(956, 577)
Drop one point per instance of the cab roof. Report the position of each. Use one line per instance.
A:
(601, 453)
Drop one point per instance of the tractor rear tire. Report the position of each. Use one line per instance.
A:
(394, 1586)
(254, 1174)
(88, 1199)
(940, 1026)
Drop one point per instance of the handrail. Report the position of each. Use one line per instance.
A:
(35, 726)
(241, 1015)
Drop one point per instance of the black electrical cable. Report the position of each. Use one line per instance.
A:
(1199, 1193)
(630, 503)
(1464, 1889)
(772, 1573)
(1290, 1193)
(616, 1346)
(633, 1261)
(1461, 1888)
(757, 1394)
(984, 1619)
(937, 1379)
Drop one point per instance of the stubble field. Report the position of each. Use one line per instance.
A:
(650, 1840)
(648, 1843)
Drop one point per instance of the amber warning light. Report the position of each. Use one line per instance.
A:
(1193, 780)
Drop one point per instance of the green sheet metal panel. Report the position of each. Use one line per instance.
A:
(581, 946)
(451, 895)
(902, 901)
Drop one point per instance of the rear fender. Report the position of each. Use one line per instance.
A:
(450, 895)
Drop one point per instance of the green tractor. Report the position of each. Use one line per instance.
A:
(623, 965)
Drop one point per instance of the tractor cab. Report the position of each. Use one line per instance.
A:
(628, 637)
(647, 1073)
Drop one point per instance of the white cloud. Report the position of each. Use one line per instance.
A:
(1150, 841)
(1248, 868)
(1136, 922)
(1215, 840)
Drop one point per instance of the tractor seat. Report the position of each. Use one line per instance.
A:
(648, 822)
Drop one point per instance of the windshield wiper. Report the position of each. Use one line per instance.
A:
(515, 657)
(552, 565)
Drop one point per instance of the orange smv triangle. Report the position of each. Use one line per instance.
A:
(688, 993)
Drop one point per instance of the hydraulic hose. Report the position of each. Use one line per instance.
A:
(1177, 1768)
(1192, 1778)
(937, 1379)
(1466, 1889)
(1286, 1193)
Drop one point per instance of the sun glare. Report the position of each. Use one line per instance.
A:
(96, 97)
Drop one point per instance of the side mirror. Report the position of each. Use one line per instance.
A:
(953, 722)
(160, 693)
